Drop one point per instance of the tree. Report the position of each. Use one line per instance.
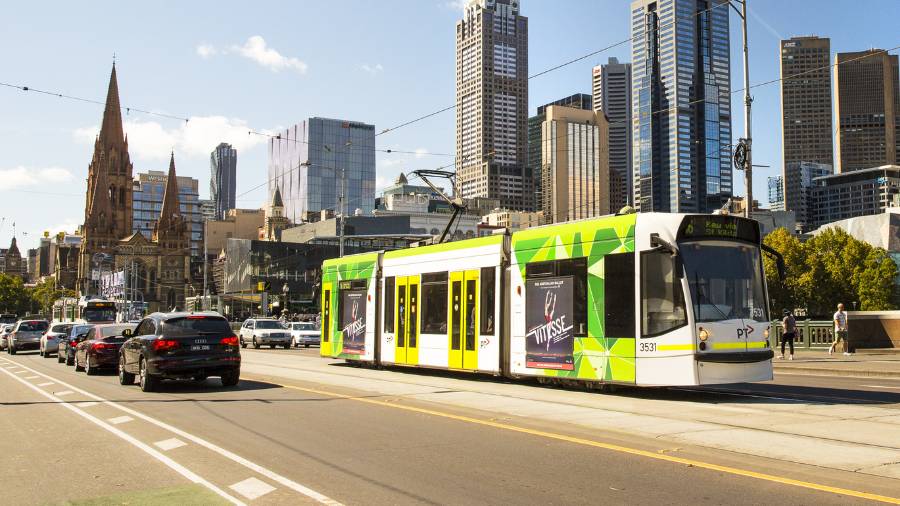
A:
(13, 296)
(45, 293)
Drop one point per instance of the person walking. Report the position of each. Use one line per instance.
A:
(840, 330)
(789, 328)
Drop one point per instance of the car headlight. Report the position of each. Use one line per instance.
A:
(703, 334)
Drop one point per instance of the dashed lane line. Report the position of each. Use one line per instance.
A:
(252, 488)
(183, 471)
(169, 444)
(119, 420)
(63, 393)
(46, 384)
(275, 477)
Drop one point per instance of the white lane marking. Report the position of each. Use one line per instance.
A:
(272, 475)
(170, 444)
(252, 488)
(32, 377)
(187, 473)
(120, 420)
(87, 404)
(47, 384)
(63, 392)
(881, 386)
(19, 372)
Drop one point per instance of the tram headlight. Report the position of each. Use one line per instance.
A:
(703, 335)
(766, 333)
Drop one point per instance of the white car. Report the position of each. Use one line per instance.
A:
(304, 333)
(5, 330)
(262, 331)
(50, 339)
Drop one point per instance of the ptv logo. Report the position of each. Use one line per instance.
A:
(745, 332)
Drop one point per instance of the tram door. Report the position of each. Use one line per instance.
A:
(325, 329)
(407, 318)
(464, 317)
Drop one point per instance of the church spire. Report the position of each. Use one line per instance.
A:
(111, 132)
(100, 209)
(171, 204)
(276, 199)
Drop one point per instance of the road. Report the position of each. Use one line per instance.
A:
(300, 434)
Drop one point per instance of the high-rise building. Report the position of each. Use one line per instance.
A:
(806, 100)
(223, 178)
(611, 86)
(776, 193)
(492, 103)
(150, 188)
(578, 101)
(681, 97)
(799, 179)
(855, 193)
(868, 109)
(575, 164)
(308, 160)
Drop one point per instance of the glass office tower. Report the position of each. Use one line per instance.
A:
(681, 101)
(306, 162)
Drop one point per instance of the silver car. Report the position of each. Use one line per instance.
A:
(50, 339)
(4, 333)
(27, 335)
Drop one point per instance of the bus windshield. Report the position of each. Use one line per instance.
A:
(95, 314)
(725, 279)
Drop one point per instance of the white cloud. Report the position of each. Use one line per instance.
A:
(372, 69)
(198, 137)
(21, 176)
(380, 182)
(458, 5)
(206, 50)
(256, 49)
(391, 162)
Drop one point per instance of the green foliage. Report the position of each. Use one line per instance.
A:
(45, 293)
(14, 298)
(829, 268)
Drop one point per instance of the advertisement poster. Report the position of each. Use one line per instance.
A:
(550, 340)
(353, 308)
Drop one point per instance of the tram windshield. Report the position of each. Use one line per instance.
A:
(99, 314)
(725, 279)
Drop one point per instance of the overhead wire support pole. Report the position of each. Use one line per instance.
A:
(747, 141)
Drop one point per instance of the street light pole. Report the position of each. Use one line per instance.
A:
(205, 231)
(748, 101)
(341, 224)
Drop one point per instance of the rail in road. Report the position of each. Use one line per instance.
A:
(277, 439)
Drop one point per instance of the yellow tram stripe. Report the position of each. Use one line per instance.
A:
(675, 347)
(606, 446)
(738, 345)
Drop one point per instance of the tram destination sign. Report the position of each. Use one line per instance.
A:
(353, 320)
(550, 340)
(718, 227)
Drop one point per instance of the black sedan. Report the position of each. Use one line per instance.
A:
(180, 346)
(67, 344)
(100, 348)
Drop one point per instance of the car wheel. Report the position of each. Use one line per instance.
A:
(41, 352)
(231, 379)
(200, 378)
(255, 344)
(78, 367)
(70, 360)
(12, 349)
(59, 358)
(287, 346)
(271, 346)
(243, 344)
(306, 346)
(149, 382)
(87, 367)
(125, 377)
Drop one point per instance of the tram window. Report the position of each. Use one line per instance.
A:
(662, 300)
(540, 269)
(413, 315)
(389, 289)
(488, 308)
(434, 303)
(618, 296)
(577, 268)
(455, 313)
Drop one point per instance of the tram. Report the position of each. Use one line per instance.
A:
(84, 310)
(638, 299)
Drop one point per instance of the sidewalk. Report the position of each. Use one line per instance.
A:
(866, 363)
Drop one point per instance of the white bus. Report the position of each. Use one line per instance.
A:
(639, 299)
(84, 310)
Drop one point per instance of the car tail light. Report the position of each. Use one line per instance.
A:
(229, 341)
(196, 317)
(73, 342)
(102, 346)
(165, 344)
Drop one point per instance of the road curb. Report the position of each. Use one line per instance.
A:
(808, 371)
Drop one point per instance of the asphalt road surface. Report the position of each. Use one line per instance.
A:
(271, 440)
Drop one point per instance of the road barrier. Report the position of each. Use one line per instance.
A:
(810, 334)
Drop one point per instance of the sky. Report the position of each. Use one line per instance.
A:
(234, 67)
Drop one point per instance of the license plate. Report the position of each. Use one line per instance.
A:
(200, 347)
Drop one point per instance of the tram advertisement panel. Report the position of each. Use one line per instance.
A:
(353, 320)
(550, 340)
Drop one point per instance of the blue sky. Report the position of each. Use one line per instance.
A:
(235, 66)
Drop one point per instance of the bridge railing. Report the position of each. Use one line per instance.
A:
(810, 334)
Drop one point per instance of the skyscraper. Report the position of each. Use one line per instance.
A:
(307, 161)
(492, 103)
(611, 86)
(806, 100)
(578, 101)
(776, 193)
(149, 188)
(223, 178)
(868, 109)
(681, 95)
(799, 180)
(575, 164)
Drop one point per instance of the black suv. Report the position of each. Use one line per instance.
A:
(180, 346)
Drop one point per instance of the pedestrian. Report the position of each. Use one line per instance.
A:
(840, 330)
(789, 332)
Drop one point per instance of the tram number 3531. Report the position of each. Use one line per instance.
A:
(647, 347)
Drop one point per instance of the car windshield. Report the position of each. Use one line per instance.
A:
(269, 324)
(80, 329)
(196, 325)
(725, 279)
(62, 329)
(115, 330)
(33, 326)
(304, 326)
(92, 314)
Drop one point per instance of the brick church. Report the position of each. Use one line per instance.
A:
(157, 268)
